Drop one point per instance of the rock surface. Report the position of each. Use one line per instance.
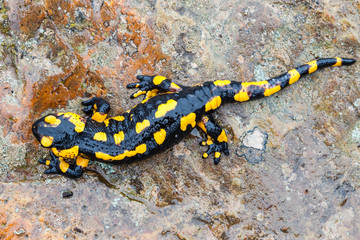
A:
(57, 53)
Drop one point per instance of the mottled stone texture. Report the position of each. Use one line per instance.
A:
(306, 186)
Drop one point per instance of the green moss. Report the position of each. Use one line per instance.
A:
(76, 26)
(80, 48)
(4, 25)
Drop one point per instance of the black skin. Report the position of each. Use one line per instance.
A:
(165, 116)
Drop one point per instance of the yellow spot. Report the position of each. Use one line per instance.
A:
(98, 117)
(175, 86)
(209, 141)
(138, 93)
(46, 141)
(270, 91)
(222, 137)
(138, 150)
(338, 62)
(213, 104)
(202, 126)
(76, 119)
(160, 136)
(158, 79)
(294, 76)
(66, 153)
(100, 136)
(140, 126)
(47, 162)
(95, 106)
(119, 137)
(55, 151)
(52, 120)
(117, 118)
(312, 66)
(247, 84)
(217, 154)
(83, 162)
(241, 96)
(145, 100)
(205, 155)
(186, 120)
(165, 108)
(152, 93)
(222, 82)
(64, 166)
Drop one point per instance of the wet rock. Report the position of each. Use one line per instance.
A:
(306, 182)
(255, 139)
(253, 146)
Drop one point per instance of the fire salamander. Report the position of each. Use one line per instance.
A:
(166, 115)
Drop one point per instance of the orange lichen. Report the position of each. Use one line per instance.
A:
(149, 50)
(8, 227)
(56, 91)
(32, 18)
(90, 25)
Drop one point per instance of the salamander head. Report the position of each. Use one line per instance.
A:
(56, 130)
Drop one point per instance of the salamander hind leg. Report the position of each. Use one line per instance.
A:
(57, 165)
(217, 139)
(97, 108)
(150, 86)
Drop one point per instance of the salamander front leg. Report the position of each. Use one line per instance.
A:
(217, 139)
(151, 85)
(57, 165)
(97, 108)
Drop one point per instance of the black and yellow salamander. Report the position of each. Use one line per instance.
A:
(165, 116)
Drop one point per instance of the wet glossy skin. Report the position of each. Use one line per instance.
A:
(166, 115)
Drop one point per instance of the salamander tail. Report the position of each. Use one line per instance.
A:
(347, 61)
(251, 90)
(294, 75)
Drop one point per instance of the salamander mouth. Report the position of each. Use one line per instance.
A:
(35, 132)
